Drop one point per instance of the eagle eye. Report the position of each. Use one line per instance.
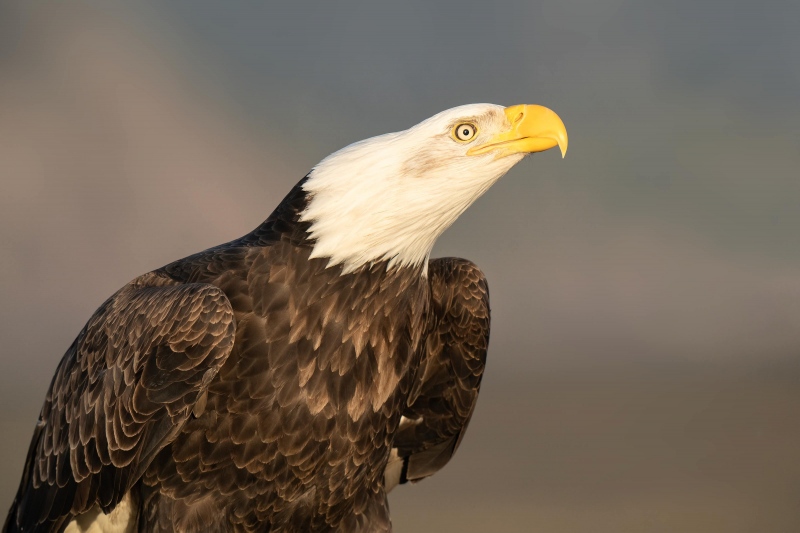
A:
(465, 132)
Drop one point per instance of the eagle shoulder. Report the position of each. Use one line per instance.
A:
(122, 391)
(448, 379)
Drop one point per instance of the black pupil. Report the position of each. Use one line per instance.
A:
(465, 131)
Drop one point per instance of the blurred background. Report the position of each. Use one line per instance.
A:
(644, 370)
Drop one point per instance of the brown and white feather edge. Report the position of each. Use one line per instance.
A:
(448, 379)
(120, 394)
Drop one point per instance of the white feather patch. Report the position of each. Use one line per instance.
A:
(121, 520)
(393, 471)
(391, 197)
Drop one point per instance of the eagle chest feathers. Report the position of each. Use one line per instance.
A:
(306, 406)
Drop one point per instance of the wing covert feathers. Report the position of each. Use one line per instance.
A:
(449, 376)
(120, 394)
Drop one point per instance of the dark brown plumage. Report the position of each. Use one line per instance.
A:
(285, 381)
(250, 388)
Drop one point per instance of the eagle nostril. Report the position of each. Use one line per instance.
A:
(519, 117)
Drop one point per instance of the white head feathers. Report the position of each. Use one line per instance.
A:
(390, 197)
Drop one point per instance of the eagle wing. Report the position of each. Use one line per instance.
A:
(120, 394)
(450, 372)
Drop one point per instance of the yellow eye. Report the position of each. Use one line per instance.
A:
(465, 132)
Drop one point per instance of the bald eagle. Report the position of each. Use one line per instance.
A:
(287, 380)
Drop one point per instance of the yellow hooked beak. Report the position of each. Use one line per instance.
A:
(533, 129)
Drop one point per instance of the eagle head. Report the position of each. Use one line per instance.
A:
(389, 198)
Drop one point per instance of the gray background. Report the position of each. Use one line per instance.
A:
(644, 372)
